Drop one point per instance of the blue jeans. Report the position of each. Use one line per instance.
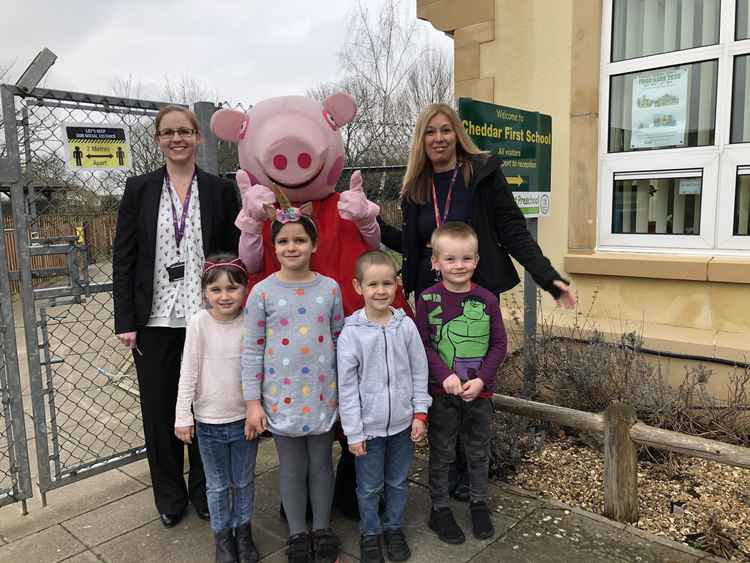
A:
(386, 466)
(229, 463)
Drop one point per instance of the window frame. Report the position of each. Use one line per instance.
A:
(717, 161)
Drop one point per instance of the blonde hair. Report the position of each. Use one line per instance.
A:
(455, 230)
(417, 180)
(374, 258)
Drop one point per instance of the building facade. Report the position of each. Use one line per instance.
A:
(651, 152)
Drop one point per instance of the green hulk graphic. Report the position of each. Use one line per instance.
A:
(464, 340)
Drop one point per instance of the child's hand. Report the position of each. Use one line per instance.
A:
(185, 433)
(471, 389)
(418, 430)
(250, 433)
(255, 420)
(358, 449)
(452, 385)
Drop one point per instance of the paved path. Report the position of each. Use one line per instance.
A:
(111, 518)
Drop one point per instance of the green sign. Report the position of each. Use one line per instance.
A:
(523, 139)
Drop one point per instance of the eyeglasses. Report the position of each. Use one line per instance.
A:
(181, 132)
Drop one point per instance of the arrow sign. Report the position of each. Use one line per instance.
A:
(100, 156)
(515, 180)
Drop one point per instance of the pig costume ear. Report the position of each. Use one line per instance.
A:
(341, 106)
(229, 124)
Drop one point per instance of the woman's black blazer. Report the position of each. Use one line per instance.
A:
(134, 249)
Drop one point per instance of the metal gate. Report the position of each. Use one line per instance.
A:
(15, 473)
(84, 393)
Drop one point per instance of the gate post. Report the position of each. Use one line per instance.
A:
(27, 294)
(208, 150)
(620, 464)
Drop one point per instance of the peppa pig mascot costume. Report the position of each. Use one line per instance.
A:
(293, 144)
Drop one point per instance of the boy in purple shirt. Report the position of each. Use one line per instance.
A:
(464, 336)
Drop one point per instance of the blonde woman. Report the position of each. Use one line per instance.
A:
(449, 179)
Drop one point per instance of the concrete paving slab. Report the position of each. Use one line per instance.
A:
(48, 546)
(66, 503)
(85, 557)
(191, 540)
(424, 543)
(547, 533)
(267, 457)
(114, 519)
(138, 470)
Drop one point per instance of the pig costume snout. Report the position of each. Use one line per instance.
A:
(292, 142)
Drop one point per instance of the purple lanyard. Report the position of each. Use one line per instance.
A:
(179, 228)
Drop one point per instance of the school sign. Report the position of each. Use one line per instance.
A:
(523, 139)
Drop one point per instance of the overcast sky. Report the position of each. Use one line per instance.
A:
(245, 51)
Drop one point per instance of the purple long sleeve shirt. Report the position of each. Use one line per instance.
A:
(463, 333)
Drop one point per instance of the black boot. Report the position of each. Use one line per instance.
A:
(345, 486)
(246, 550)
(226, 546)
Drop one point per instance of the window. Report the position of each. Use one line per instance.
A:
(675, 126)
(649, 27)
(665, 203)
(667, 107)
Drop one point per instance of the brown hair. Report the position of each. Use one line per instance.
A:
(416, 186)
(237, 276)
(374, 258)
(455, 230)
(169, 109)
(307, 224)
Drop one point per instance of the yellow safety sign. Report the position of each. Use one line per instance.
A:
(91, 146)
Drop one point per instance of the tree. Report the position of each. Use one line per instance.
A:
(183, 90)
(392, 74)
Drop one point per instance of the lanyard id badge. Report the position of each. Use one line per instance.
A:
(176, 271)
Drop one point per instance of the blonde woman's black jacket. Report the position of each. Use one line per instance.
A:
(134, 248)
(500, 226)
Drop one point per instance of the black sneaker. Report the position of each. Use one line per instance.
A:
(396, 546)
(326, 546)
(370, 550)
(480, 520)
(300, 549)
(444, 525)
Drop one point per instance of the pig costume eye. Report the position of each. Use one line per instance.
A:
(330, 120)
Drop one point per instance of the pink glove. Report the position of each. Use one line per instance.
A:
(254, 198)
(250, 221)
(354, 206)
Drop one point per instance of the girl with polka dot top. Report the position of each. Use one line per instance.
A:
(292, 320)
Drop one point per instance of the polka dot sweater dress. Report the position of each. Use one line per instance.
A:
(289, 353)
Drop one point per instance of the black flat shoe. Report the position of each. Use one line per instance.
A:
(202, 513)
(170, 520)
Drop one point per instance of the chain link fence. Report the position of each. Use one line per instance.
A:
(83, 387)
(60, 229)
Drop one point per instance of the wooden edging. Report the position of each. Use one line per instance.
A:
(621, 432)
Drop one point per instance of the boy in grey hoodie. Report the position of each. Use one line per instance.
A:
(383, 403)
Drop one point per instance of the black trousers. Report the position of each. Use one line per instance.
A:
(158, 369)
(451, 416)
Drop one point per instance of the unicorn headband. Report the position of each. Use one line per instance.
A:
(287, 213)
(236, 263)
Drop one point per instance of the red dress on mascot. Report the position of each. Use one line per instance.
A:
(294, 144)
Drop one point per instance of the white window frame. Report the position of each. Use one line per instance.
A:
(718, 161)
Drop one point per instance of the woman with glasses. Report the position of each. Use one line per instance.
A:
(168, 221)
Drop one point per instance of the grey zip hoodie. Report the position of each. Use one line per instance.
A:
(382, 373)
